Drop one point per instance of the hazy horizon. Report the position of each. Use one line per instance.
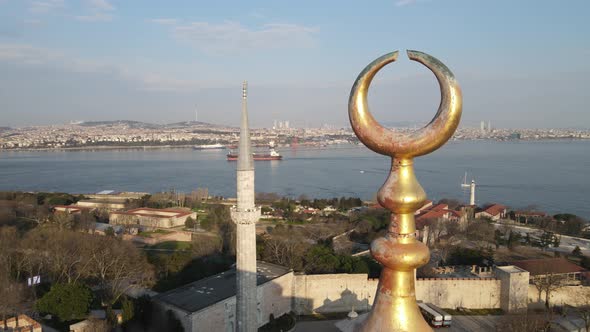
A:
(520, 65)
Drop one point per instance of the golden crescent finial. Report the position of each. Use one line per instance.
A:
(421, 142)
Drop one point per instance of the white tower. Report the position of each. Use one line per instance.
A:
(472, 197)
(245, 215)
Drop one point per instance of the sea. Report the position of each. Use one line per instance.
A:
(551, 176)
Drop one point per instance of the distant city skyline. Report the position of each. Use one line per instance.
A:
(520, 64)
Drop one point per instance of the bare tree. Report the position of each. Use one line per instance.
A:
(435, 230)
(480, 230)
(206, 247)
(62, 254)
(285, 251)
(548, 283)
(63, 220)
(12, 295)
(452, 227)
(117, 266)
(525, 322)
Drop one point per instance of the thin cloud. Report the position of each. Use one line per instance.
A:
(232, 36)
(99, 11)
(101, 5)
(96, 17)
(43, 7)
(401, 3)
(164, 21)
(30, 55)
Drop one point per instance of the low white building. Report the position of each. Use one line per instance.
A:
(152, 218)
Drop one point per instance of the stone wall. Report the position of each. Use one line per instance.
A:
(327, 293)
(570, 295)
(460, 292)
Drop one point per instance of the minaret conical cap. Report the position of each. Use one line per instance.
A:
(245, 160)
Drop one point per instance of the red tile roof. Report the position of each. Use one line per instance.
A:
(548, 266)
(439, 207)
(432, 214)
(495, 209)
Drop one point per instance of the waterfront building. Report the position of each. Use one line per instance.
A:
(494, 212)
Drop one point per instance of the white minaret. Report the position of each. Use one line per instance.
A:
(245, 215)
(472, 198)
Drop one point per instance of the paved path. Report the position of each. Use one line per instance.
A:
(460, 324)
(566, 245)
(474, 323)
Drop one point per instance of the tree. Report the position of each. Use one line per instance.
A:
(452, 227)
(547, 239)
(117, 265)
(63, 220)
(128, 309)
(577, 251)
(548, 283)
(12, 295)
(468, 256)
(320, 259)
(572, 224)
(480, 230)
(109, 231)
(525, 322)
(189, 223)
(286, 251)
(202, 247)
(66, 301)
(556, 241)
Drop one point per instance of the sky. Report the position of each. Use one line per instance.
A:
(520, 64)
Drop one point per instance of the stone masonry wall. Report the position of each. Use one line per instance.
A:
(340, 292)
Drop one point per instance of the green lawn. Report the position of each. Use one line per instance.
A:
(172, 245)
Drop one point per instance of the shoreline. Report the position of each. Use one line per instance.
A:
(320, 145)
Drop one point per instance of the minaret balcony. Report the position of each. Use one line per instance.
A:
(245, 216)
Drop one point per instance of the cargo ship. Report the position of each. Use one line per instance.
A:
(209, 147)
(272, 155)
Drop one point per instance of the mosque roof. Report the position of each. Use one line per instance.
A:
(201, 294)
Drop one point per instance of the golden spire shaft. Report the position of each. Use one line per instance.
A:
(395, 308)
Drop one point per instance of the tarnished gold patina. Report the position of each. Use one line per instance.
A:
(395, 308)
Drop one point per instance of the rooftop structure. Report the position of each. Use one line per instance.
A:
(206, 292)
(494, 212)
(543, 267)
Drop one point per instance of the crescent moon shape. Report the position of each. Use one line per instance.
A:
(420, 142)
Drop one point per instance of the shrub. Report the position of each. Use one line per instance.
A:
(66, 301)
